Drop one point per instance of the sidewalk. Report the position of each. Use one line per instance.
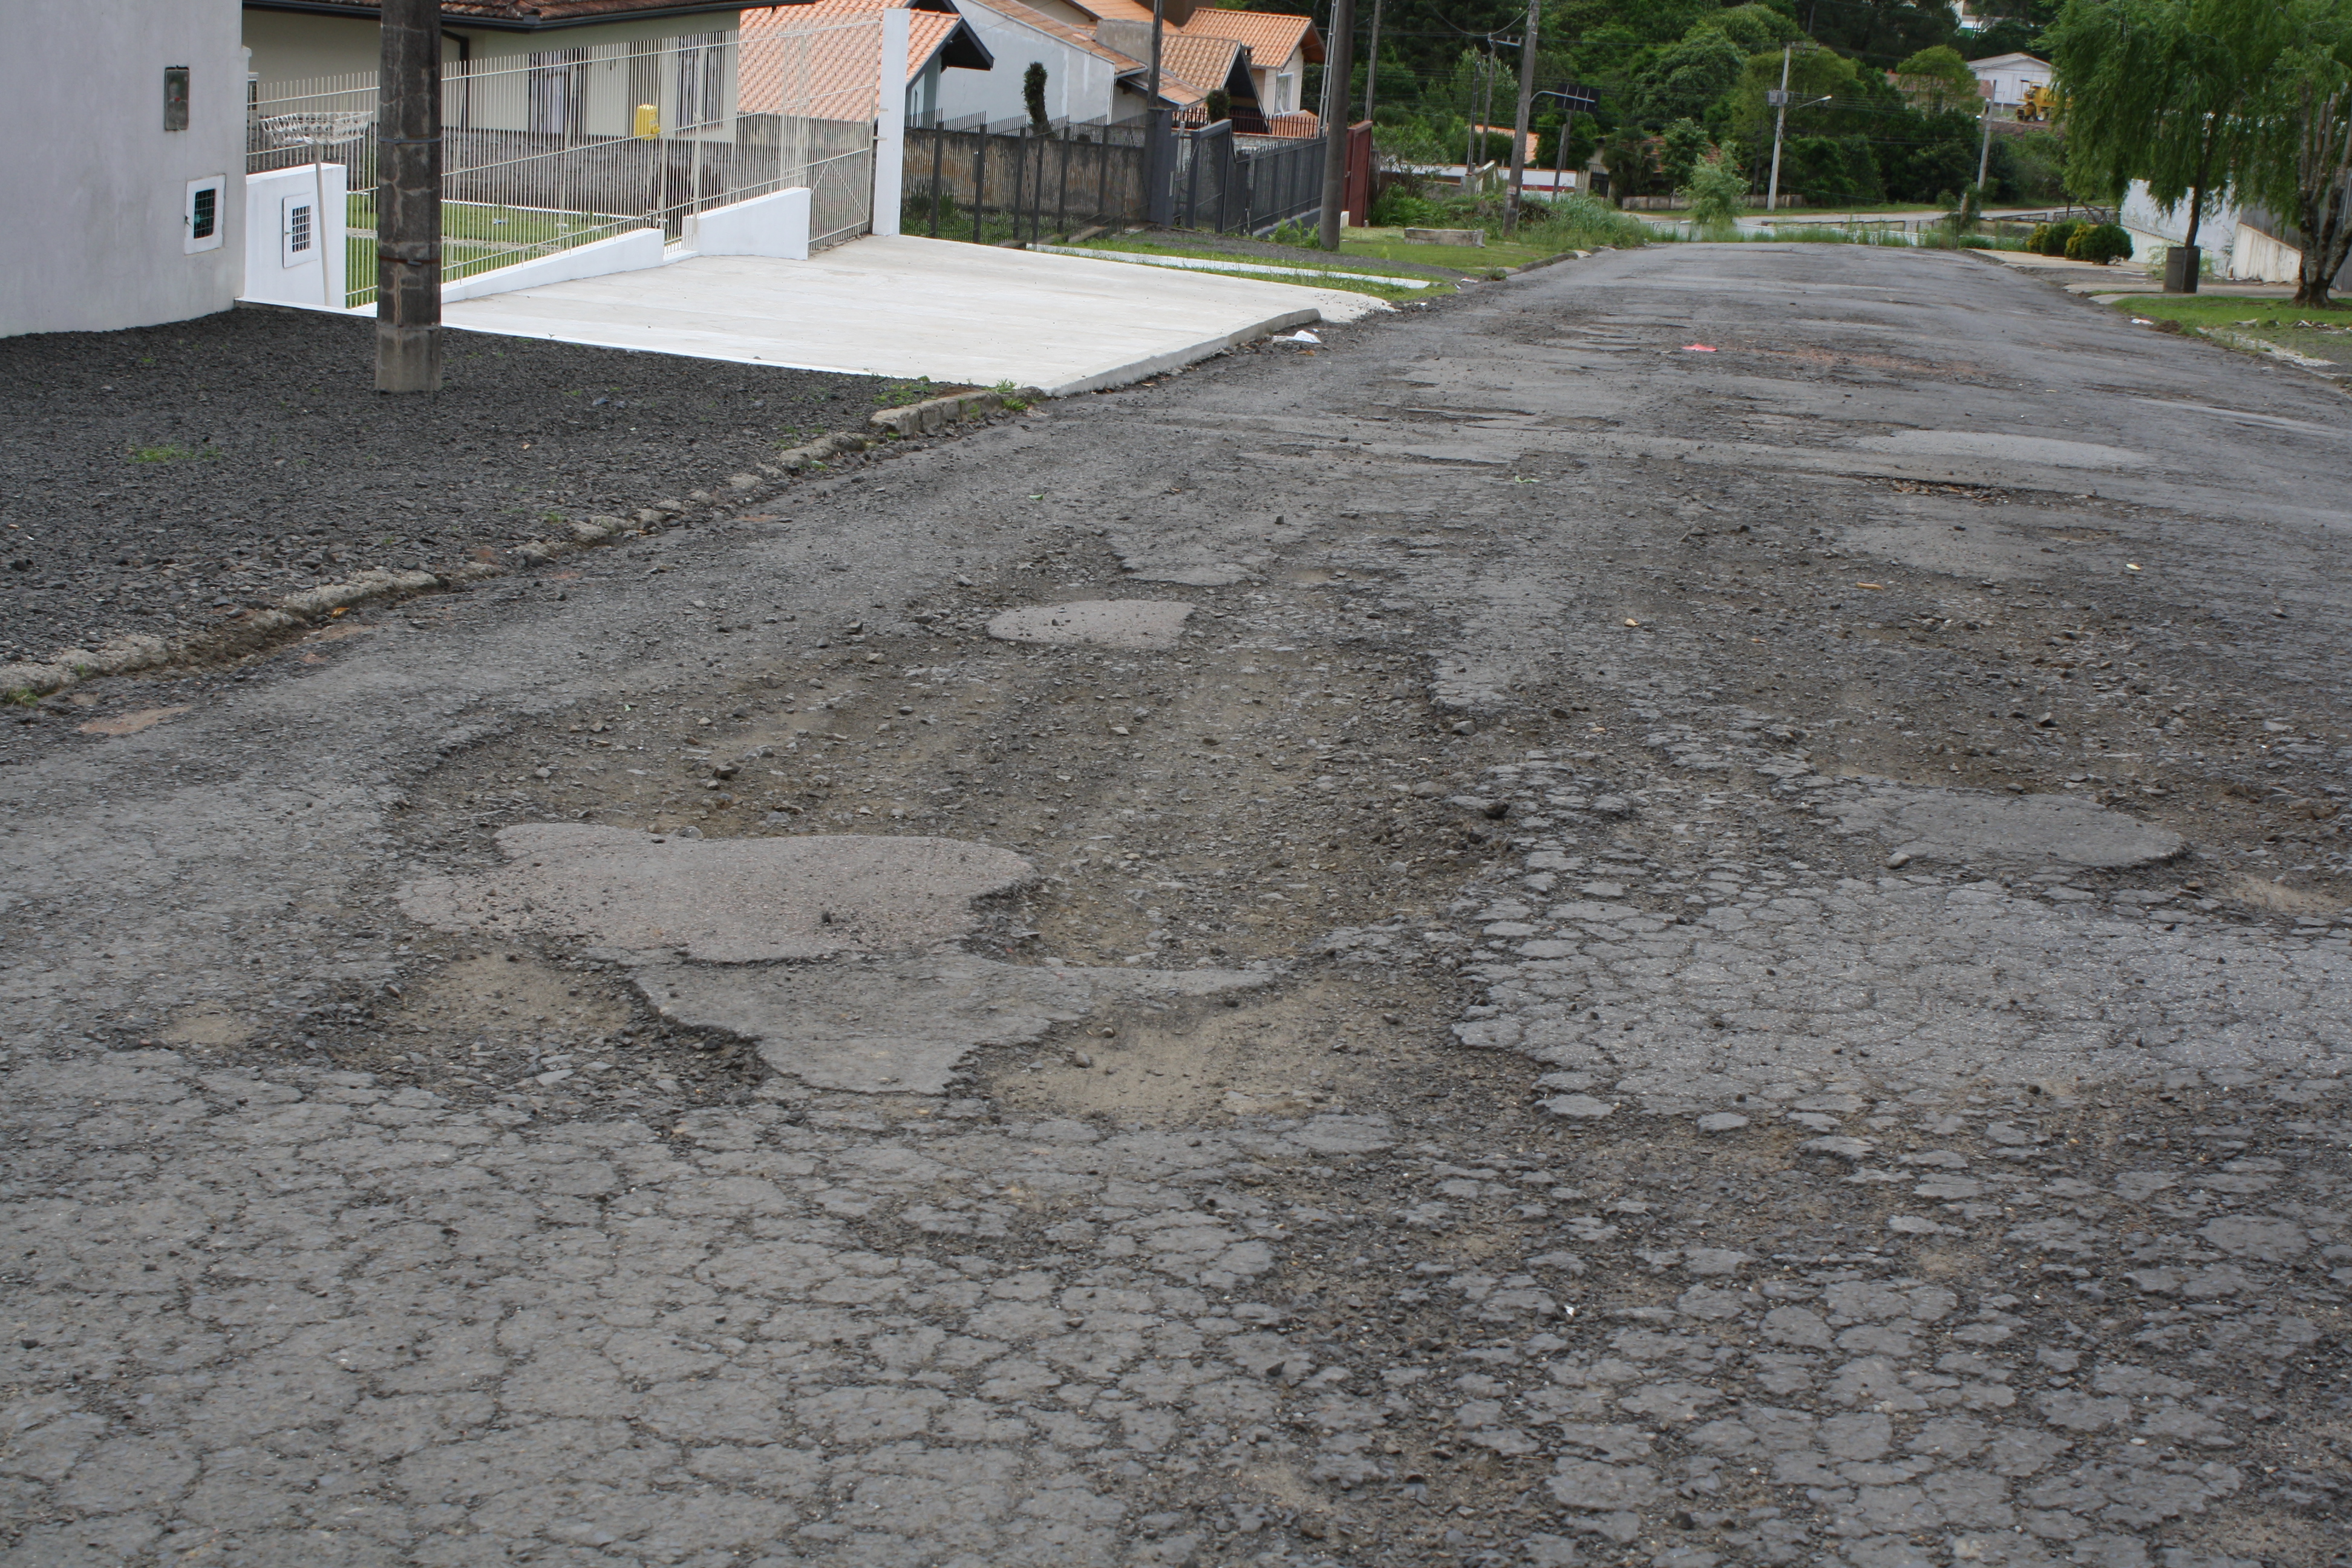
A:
(902, 306)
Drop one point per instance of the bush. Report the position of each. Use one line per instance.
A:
(1717, 194)
(2053, 238)
(1398, 208)
(2101, 243)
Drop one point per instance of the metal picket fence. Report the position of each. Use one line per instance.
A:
(550, 149)
(1014, 181)
(1244, 185)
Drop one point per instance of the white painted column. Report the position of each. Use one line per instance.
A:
(890, 122)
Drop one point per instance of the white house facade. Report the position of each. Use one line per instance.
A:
(2004, 79)
(126, 163)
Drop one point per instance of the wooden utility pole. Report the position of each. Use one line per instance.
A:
(1372, 62)
(408, 200)
(1339, 65)
(1519, 122)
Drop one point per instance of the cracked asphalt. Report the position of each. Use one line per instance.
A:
(1721, 939)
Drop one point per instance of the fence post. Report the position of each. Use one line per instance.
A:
(890, 124)
(1062, 197)
(938, 168)
(1159, 167)
(1102, 190)
(1192, 184)
(979, 179)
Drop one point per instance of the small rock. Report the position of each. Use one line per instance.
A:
(1722, 1121)
(1842, 1148)
(1581, 1107)
(1080, 1059)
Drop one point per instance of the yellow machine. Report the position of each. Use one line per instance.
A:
(2040, 107)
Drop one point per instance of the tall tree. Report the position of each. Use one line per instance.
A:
(2160, 90)
(2304, 158)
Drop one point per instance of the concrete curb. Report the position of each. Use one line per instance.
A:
(1133, 371)
(926, 417)
(297, 613)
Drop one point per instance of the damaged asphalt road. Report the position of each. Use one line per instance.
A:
(1683, 960)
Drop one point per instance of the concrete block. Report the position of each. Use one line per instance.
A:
(775, 224)
(631, 252)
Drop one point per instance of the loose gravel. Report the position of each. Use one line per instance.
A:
(166, 478)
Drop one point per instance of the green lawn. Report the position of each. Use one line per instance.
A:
(2223, 311)
(1389, 245)
(2319, 335)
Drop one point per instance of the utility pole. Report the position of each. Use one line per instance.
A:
(1780, 124)
(1519, 124)
(1159, 142)
(1984, 149)
(1338, 65)
(408, 200)
(1373, 60)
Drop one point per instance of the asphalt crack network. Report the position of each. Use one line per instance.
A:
(1663, 970)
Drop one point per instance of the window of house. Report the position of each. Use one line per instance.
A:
(559, 92)
(1285, 93)
(701, 78)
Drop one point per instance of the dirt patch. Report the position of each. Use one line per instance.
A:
(1312, 1049)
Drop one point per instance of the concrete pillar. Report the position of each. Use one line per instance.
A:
(890, 123)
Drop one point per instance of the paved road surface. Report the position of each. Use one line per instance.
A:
(1689, 957)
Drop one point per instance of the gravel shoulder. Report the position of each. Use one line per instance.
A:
(1766, 935)
(164, 480)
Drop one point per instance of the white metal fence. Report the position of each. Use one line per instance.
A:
(554, 148)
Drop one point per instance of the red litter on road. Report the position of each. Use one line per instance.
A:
(1696, 349)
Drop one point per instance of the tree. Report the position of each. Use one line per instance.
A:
(1032, 94)
(1681, 147)
(1938, 81)
(2159, 90)
(2303, 144)
(1686, 78)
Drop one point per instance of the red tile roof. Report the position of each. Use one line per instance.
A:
(837, 81)
(1271, 36)
(521, 15)
(1199, 60)
(1297, 123)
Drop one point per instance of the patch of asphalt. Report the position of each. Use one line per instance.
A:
(162, 480)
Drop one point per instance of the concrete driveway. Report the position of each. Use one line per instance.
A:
(1687, 958)
(902, 306)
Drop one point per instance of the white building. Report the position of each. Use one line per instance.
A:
(291, 39)
(124, 130)
(2004, 79)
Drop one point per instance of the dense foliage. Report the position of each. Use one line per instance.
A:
(1683, 81)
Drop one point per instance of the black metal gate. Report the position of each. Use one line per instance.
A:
(1244, 185)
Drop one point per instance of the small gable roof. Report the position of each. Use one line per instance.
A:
(1271, 36)
(837, 80)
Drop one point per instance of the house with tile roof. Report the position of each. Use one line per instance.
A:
(836, 78)
(291, 39)
(1087, 79)
(1280, 45)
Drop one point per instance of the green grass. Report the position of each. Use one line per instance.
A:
(2221, 310)
(1359, 277)
(169, 454)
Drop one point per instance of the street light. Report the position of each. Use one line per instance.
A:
(1574, 99)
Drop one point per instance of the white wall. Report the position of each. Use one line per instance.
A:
(1079, 85)
(288, 45)
(275, 270)
(96, 187)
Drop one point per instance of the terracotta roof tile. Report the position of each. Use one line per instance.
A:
(837, 81)
(1298, 123)
(1271, 36)
(1114, 10)
(1198, 61)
